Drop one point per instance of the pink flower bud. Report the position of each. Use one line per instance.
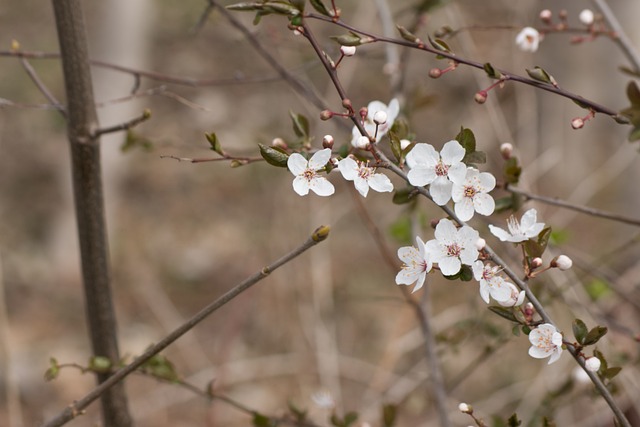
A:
(481, 97)
(536, 263)
(592, 364)
(348, 50)
(279, 142)
(506, 150)
(545, 16)
(327, 141)
(586, 17)
(325, 115)
(434, 73)
(362, 143)
(562, 262)
(577, 123)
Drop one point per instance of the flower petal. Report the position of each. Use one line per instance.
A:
(301, 186)
(380, 183)
(321, 186)
(452, 152)
(319, 159)
(361, 185)
(501, 234)
(464, 209)
(440, 190)
(348, 168)
(484, 204)
(297, 164)
(449, 266)
(422, 154)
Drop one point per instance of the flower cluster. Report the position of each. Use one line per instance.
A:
(376, 128)
(450, 179)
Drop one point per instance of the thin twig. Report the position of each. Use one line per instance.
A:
(78, 407)
(146, 115)
(621, 38)
(42, 87)
(578, 208)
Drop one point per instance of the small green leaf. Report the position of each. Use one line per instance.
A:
(466, 274)
(245, 7)
(475, 158)
(389, 413)
(439, 45)
(467, 139)
(281, 8)
(320, 7)
(633, 93)
(609, 373)
(133, 140)
(535, 248)
(396, 148)
(351, 39)
(407, 35)
(595, 334)
(579, 330)
(492, 72)
(541, 75)
(504, 312)
(300, 125)
(214, 142)
(160, 367)
(513, 421)
(515, 331)
(100, 364)
(52, 372)
(274, 156)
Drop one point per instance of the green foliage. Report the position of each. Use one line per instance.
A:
(274, 156)
(633, 112)
(492, 72)
(52, 372)
(404, 195)
(160, 367)
(504, 312)
(214, 142)
(351, 39)
(389, 414)
(511, 171)
(541, 75)
(260, 420)
(594, 335)
(467, 139)
(535, 248)
(407, 35)
(100, 364)
(320, 7)
(579, 330)
(133, 140)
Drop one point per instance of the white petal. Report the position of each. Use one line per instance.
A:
(469, 255)
(421, 175)
(321, 186)
(457, 173)
(318, 160)
(381, 183)
(555, 355)
(362, 186)
(375, 106)
(348, 168)
(423, 154)
(487, 181)
(445, 232)
(452, 152)
(393, 110)
(538, 352)
(467, 236)
(464, 209)
(301, 185)
(500, 233)
(450, 266)
(484, 204)
(478, 270)
(484, 291)
(407, 276)
(440, 190)
(420, 281)
(528, 219)
(297, 164)
(409, 255)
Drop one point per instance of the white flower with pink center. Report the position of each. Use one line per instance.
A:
(306, 173)
(491, 284)
(364, 176)
(452, 247)
(416, 265)
(546, 341)
(470, 194)
(526, 229)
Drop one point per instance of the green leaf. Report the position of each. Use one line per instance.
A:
(133, 140)
(320, 7)
(492, 72)
(504, 312)
(396, 148)
(160, 367)
(535, 248)
(595, 334)
(100, 364)
(513, 421)
(407, 35)
(633, 93)
(281, 8)
(214, 142)
(260, 420)
(475, 158)
(351, 39)
(467, 139)
(515, 331)
(579, 330)
(52, 372)
(274, 156)
(609, 373)
(512, 171)
(300, 125)
(439, 45)
(389, 413)
(245, 7)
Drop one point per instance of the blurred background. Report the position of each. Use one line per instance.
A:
(333, 320)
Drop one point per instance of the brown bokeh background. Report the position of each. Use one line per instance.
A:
(181, 234)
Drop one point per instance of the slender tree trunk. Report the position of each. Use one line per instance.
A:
(89, 204)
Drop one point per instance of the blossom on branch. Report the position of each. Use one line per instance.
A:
(470, 194)
(526, 229)
(453, 247)
(364, 176)
(528, 39)
(306, 173)
(516, 297)
(546, 341)
(491, 284)
(416, 265)
(392, 111)
(428, 167)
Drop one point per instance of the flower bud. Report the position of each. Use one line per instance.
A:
(481, 97)
(577, 123)
(327, 141)
(592, 364)
(506, 150)
(404, 143)
(480, 244)
(325, 115)
(363, 112)
(563, 14)
(465, 408)
(279, 142)
(536, 263)
(545, 16)
(586, 17)
(348, 50)
(346, 103)
(434, 73)
(362, 143)
(380, 117)
(562, 262)
(529, 311)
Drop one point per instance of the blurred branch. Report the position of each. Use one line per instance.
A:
(88, 199)
(146, 115)
(620, 38)
(78, 406)
(42, 87)
(578, 208)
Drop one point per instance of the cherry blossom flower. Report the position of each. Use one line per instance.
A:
(453, 247)
(470, 194)
(363, 176)
(526, 229)
(491, 284)
(416, 265)
(545, 341)
(586, 17)
(436, 169)
(516, 297)
(392, 111)
(306, 173)
(592, 364)
(528, 39)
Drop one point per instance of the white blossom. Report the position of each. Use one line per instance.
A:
(592, 364)
(306, 173)
(348, 50)
(546, 341)
(515, 299)
(416, 265)
(438, 170)
(470, 194)
(363, 176)
(491, 284)
(586, 17)
(392, 111)
(526, 229)
(528, 39)
(453, 247)
(562, 262)
(323, 399)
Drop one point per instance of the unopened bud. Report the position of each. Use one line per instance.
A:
(545, 16)
(362, 142)
(465, 408)
(404, 143)
(348, 50)
(529, 310)
(380, 117)
(434, 73)
(279, 142)
(577, 123)
(480, 244)
(326, 115)
(592, 364)
(327, 141)
(536, 263)
(563, 14)
(346, 103)
(481, 97)
(506, 150)
(363, 112)
(562, 262)
(586, 17)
